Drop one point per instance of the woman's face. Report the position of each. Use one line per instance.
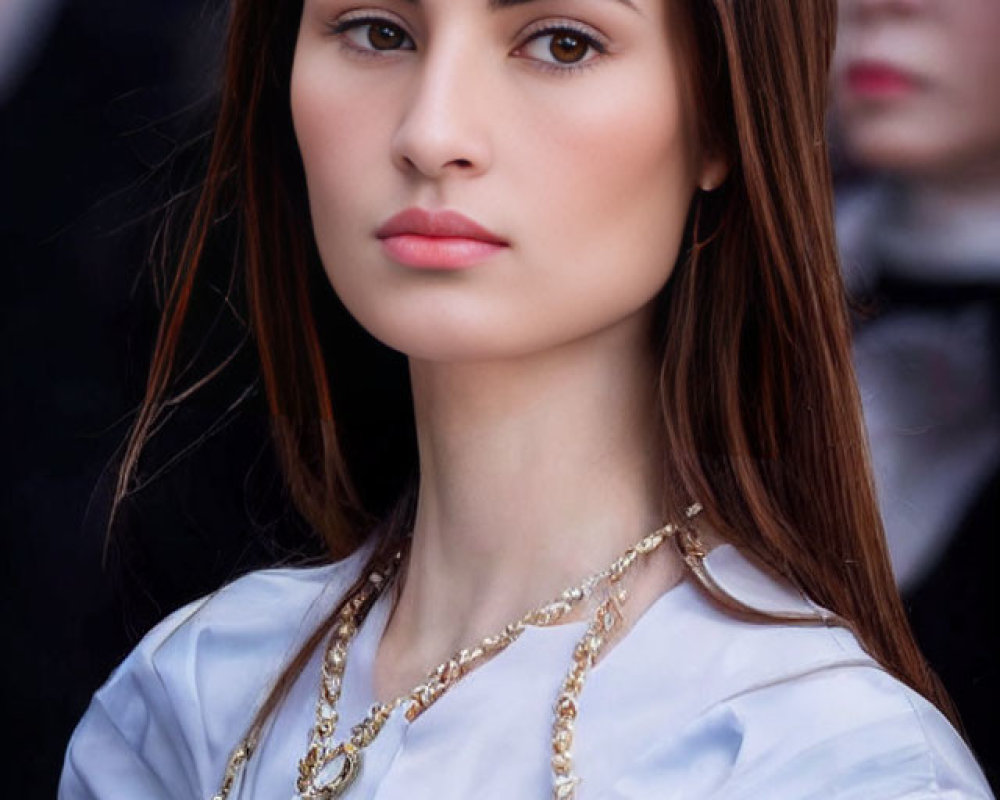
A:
(557, 126)
(918, 84)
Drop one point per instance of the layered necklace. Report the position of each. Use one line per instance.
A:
(329, 768)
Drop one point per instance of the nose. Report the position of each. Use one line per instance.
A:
(442, 130)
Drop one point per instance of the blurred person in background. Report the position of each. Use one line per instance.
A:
(917, 104)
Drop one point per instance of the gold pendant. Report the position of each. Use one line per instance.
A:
(349, 772)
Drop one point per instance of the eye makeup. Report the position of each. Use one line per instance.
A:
(371, 35)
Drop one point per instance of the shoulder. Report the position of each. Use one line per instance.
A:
(846, 732)
(248, 621)
(171, 711)
(752, 629)
(817, 716)
(788, 711)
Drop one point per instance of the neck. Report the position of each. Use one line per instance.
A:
(946, 205)
(952, 215)
(947, 224)
(534, 474)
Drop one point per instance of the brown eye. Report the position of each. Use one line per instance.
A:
(562, 48)
(568, 48)
(383, 36)
(372, 35)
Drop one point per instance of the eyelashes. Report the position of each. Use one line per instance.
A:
(570, 47)
(571, 40)
(376, 31)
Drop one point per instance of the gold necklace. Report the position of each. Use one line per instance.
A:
(314, 781)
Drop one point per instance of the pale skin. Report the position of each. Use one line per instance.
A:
(533, 376)
(943, 135)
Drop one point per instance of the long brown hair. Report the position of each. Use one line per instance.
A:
(761, 414)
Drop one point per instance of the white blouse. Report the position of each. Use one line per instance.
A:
(692, 703)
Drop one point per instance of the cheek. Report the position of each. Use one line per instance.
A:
(614, 181)
(974, 67)
(341, 136)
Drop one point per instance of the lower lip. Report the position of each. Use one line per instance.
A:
(879, 82)
(438, 252)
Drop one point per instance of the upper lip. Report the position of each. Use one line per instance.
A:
(444, 224)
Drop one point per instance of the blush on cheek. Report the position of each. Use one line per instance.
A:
(343, 144)
(323, 126)
(626, 172)
(614, 188)
(331, 111)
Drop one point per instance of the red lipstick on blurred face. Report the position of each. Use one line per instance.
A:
(876, 79)
(437, 240)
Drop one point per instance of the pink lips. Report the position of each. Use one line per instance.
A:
(874, 79)
(437, 240)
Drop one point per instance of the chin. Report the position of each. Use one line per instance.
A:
(899, 149)
(438, 336)
(453, 349)
(458, 325)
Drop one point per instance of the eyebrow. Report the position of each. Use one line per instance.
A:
(496, 5)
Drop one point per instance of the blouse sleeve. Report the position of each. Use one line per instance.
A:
(164, 724)
(873, 741)
(848, 733)
(129, 742)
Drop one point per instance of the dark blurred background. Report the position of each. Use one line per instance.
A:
(105, 107)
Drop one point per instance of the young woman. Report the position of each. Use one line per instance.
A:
(641, 557)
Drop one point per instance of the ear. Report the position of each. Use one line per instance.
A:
(714, 170)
